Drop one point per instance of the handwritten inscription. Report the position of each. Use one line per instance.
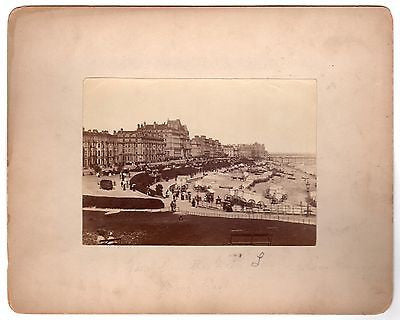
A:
(259, 257)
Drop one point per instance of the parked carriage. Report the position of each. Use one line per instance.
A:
(232, 200)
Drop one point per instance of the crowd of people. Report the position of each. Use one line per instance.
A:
(183, 194)
(125, 183)
(124, 180)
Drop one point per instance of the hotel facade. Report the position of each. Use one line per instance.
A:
(156, 143)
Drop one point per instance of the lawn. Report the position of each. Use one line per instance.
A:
(140, 228)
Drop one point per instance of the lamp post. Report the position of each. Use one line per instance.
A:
(308, 197)
(308, 187)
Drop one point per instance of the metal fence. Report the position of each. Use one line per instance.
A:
(247, 215)
(285, 209)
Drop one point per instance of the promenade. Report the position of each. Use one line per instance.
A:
(90, 186)
(184, 208)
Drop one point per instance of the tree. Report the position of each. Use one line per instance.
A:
(106, 184)
(159, 189)
(96, 168)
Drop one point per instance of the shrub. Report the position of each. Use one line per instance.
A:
(106, 184)
(121, 202)
(96, 168)
(159, 189)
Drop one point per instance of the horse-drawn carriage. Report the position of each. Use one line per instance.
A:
(233, 200)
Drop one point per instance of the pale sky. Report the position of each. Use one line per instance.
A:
(279, 113)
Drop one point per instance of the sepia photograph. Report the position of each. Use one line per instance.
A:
(199, 162)
(175, 160)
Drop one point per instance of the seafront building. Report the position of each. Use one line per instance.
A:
(140, 146)
(99, 148)
(230, 150)
(255, 150)
(157, 143)
(175, 135)
(201, 146)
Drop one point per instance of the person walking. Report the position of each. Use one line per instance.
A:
(173, 205)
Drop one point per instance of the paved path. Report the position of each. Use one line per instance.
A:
(257, 216)
(114, 211)
(184, 207)
(90, 186)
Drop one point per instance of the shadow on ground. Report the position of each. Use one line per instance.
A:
(140, 228)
